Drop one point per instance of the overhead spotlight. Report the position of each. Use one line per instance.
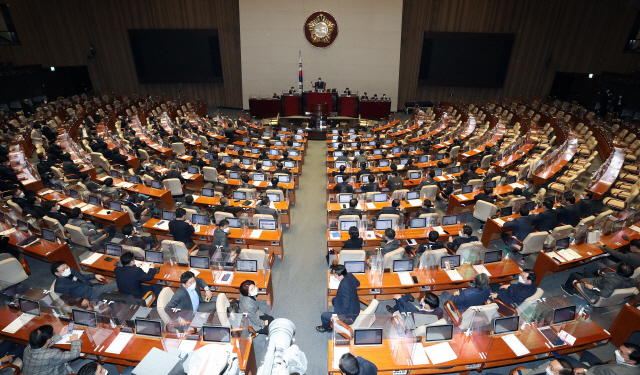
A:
(590, 75)
(53, 68)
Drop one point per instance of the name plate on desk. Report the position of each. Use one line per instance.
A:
(542, 355)
(425, 288)
(473, 366)
(275, 243)
(400, 372)
(375, 291)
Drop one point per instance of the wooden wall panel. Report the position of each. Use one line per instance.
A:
(59, 32)
(584, 36)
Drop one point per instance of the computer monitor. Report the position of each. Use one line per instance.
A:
(273, 197)
(84, 318)
(94, 200)
(455, 170)
(403, 161)
(450, 220)
(115, 174)
(531, 205)
(289, 164)
(418, 223)
(365, 178)
(22, 226)
(377, 151)
(396, 150)
(226, 159)
(267, 224)
(168, 215)
(284, 178)
(134, 179)
(503, 326)
(234, 175)
(154, 256)
(439, 156)
(344, 197)
(467, 189)
(339, 178)
(199, 262)
(147, 327)
(233, 222)
(337, 153)
(28, 306)
(439, 333)
(247, 265)
(356, 266)
(115, 206)
(380, 197)
(512, 179)
(384, 163)
(367, 337)
(267, 163)
(490, 184)
(454, 261)
(415, 175)
(246, 161)
(293, 153)
(73, 193)
(562, 243)
(273, 152)
(239, 195)
(413, 195)
(258, 177)
(208, 156)
(156, 185)
(493, 256)
(255, 150)
(506, 211)
(438, 172)
(48, 235)
(346, 224)
(564, 315)
(423, 159)
(113, 250)
(383, 224)
(207, 192)
(199, 219)
(192, 170)
(403, 265)
(158, 162)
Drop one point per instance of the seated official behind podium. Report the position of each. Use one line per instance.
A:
(258, 320)
(475, 295)
(188, 299)
(346, 303)
(430, 304)
(355, 241)
(352, 365)
(515, 294)
(130, 277)
(319, 85)
(292, 90)
(351, 210)
(522, 226)
(71, 282)
(41, 359)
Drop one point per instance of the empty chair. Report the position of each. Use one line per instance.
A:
(77, 237)
(351, 256)
(463, 320)
(486, 162)
(13, 271)
(174, 185)
(178, 250)
(261, 257)
(393, 217)
(483, 211)
(619, 204)
(389, 257)
(399, 194)
(532, 244)
(210, 174)
(57, 227)
(365, 319)
(178, 148)
(429, 192)
(257, 218)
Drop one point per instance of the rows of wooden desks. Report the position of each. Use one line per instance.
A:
(600, 187)
(458, 200)
(268, 240)
(544, 176)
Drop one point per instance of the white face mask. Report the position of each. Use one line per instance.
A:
(66, 272)
(192, 286)
(521, 280)
(460, 234)
(21, 195)
(226, 230)
(549, 371)
(254, 292)
(620, 359)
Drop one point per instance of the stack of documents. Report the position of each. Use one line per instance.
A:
(518, 348)
(119, 343)
(454, 275)
(481, 269)
(569, 254)
(163, 224)
(87, 207)
(371, 206)
(500, 222)
(405, 278)
(415, 202)
(256, 233)
(92, 259)
(440, 353)
(18, 323)
(66, 201)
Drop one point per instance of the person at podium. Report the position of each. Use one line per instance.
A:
(292, 90)
(384, 97)
(275, 96)
(375, 97)
(347, 91)
(319, 85)
(364, 96)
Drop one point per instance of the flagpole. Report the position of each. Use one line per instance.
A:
(300, 73)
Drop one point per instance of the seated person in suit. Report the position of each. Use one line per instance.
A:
(475, 295)
(18, 197)
(340, 172)
(173, 172)
(34, 207)
(364, 96)
(632, 257)
(546, 220)
(410, 166)
(109, 190)
(347, 91)
(188, 299)
(602, 286)
(391, 243)
(319, 85)
(504, 200)
(188, 203)
(557, 366)
(486, 195)
(395, 209)
(626, 363)
(343, 187)
(130, 277)
(515, 294)
(275, 96)
(352, 365)
(71, 282)
(529, 191)
(54, 212)
(465, 236)
(273, 184)
(355, 241)
(427, 181)
(522, 226)
(263, 208)
(384, 97)
(491, 174)
(370, 187)
(225, 206)
(569, 213)
(433, 243)
(258, 320)
(363, 170)
(427, 208)
(586, 204)
(40, 357)
(346, 303)
(118, 158)
(180, 229)
(133, 238)
(430, 303)
(395, 182)
(292, 90)
(93, 231)
(352, 210)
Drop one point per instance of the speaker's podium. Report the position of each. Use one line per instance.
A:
(291, 105)
(309, 98)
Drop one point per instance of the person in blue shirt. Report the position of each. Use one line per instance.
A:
(346, 303)
(429, 304)
(522, 226)
(475, 295)
(515, 294)
(71, 282)
(352, 365)
(129, 277)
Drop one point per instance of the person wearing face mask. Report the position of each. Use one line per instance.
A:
(40, 358)
(515, 294)
(18, 198)
(429, 304)
(627, 358)
(94, 368)
(71, 282)
(558, 366)
(346, 303)
(258, 320)
(188, 297)
(465, 236)
(528, 192)
(475, 295)
(94, 231)
(221, 236)
(53, 211)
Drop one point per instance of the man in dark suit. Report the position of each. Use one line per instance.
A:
(528, 191)
(429, 304)
(427, 181)
(346, 303)
(427, 208)
(569, 213)
(343, 187)
(319, 85)
(395, 182)
(475, 295)
(601, 286)
(18, 197)
(586, 204)
(70, 168)
(173, 173)
(522, 226)
(34, 207)
(188, 299)
(433, 243)
(292, 90)
(118, 158)
(181, 230)
(129, 277)
(71, 282)
(515, 294)
(547, 219)
(44, 166)
(225, 207)
(347, 91)
(351, 210)
(363, 170)
(465, 236)
(486, 195)
(352, 365)
(394, 209)
(105, 151)
(54, 212)
(263, 208)
(364, 96)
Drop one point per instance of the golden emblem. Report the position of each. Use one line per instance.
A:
(320, 29)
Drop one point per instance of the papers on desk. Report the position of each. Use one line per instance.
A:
(405, 278)
(187, 345)
(400, 167)
(66, 201)
(256, 233)
(518, 348)
(48, 191)
(8, 231)
(461, 197)
(272, 205)
(162, 224)
(333, 283)
(439, 178)
(553, 255)
(500, 222)
(440, 353)
(569, 254)
(334, 235)
(631, 227)
(415, 202)
(338, 352)
(454, 275)
(87, 207)
(370, 235)
(517, 185)
(439, 230)
(125, 184)
(221, 278)
(566, 337)
(194, 271)
(119, 343)
(91, 259)
(371, 206)
(66, 338)
(186, 175)
(358, 207)
(145, 266)
(481, 269)
(256, 183)
(18, 323)
(80, 205)
(104, 212)
(103, 178)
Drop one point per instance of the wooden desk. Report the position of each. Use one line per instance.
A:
(282, 207)
(457, 200)
(375, 109)
(262, 186)
(519, 154)
(600, 186)
(542, 177)
(113, 219)
(627, 322)
(493, 227)
(162, 195)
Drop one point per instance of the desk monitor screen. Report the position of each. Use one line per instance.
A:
(208, 156)
(384, 163)
(148, 327)
(234, 222)
(239, 195)
(168, 215)
(266, 134)
(246, 161)
(267, 163)
(255, 150)
(247, 265)
(279, 143)
(49, 235)
(207, 192)
(85, 318)
(355, 266)
(148, 180)
(274, 197)
(234, 175)
(340, 164)
(158, 162)
(455, 170)
(339, 178)
(450, 220)
(365, 178)
(73, 193)
(388, 141)
(94, 200)
(396, 150)
(2, 219)
(380, 197)
(346, 224)
(438, 172)
(258, 177)
(512, 179)
(192, 170)
(345, 197)
(383, 224)
(289, 164)
(564, 315)
(273, 152)
(134, 179)
(199, 262)
(423, 159)
(403, 161)
(284, 178)
(294, 152)
(115, 174)
(377, 151)
(438, 333)
(403, 265)
(199, 219)
(413, 195)
(490, 184)
(267, 224)
(226, 159)
(373, 143)
(502, 326)
(531, 205)
(338, 153)
(22, 226)
(454, 261)
(367, 337)
(113, 250)
(492, 256)
(562, 243)
(415, 175)
(506, 211)
(156, 184)
(28, 306)
(439, 156)
(418, 223)
(467, 189)
(115, 206)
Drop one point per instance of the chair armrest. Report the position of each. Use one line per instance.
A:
(25, 266)
(514, 312)
(515, 370)
(157, 247)
(345, 326)
(16, 369)
(364, 302)
(518, 241)
(601, 272)
(453, 312)
(271, 258)
(193, 250)
(149, 294)
(582, 293)
(103, 237)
